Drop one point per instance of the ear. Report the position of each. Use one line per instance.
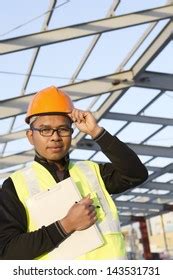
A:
(29, 135)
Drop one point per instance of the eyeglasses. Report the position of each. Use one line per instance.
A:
(47, 132)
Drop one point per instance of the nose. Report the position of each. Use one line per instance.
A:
(55, 135)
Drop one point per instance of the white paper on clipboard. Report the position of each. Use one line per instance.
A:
(49, 206)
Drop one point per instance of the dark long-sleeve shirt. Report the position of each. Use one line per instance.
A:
(124, 171)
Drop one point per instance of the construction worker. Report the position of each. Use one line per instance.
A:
(50, 117)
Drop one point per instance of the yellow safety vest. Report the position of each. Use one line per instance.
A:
(86, 175)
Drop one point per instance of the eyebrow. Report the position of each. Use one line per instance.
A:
(49, 126)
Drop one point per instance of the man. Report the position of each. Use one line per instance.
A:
(50, 116)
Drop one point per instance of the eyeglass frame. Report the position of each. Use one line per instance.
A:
(58, 131)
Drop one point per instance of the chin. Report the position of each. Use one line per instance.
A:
(55, 158)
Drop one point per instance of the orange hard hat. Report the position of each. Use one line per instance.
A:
(48, 101)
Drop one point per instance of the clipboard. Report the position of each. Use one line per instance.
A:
(51, 205)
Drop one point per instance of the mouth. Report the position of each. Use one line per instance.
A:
(55, 149)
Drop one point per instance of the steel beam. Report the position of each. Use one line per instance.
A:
(155, 80)
(138, 118)
(93, 43)
(16, 159)
(112, 116)
(139, 205)
(140, 149)
(84, 29)
(159, 43)
(154, 49)
(87, 144)
(15, 106)
(150, 150)
(159, 186)
(13, 136)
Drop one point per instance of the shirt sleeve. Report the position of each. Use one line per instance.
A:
(15, 242)
(124, 170)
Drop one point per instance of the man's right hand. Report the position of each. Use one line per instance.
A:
(80, 216)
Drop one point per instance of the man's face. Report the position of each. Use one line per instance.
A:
(54, 147)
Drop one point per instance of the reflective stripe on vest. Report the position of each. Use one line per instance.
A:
(109, 224)
(36, 178)
(32, 181)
